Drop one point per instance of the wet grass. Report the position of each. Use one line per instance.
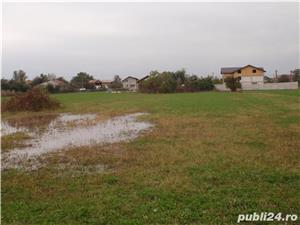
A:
(210, 157)
(15, 140)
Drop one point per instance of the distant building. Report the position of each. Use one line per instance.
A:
(130, 83)
(96, 83)
(29, 82)
(249, 75)
(144, 78)
(106, 83)
(54, 83)
(253, 78)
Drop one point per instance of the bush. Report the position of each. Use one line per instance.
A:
(36, 99)
(167, 83)
(233, 83)
(193, 83)
(284, 78)
(170, 82)
(296, 75)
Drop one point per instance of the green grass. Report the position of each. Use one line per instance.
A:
(210, 157)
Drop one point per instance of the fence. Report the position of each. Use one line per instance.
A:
(265, 86)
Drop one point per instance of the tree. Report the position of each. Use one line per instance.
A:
(233, 83)
(117, 82)
(40, 79)
(19, 76)
(17, 83)
(164, 82)
(81, 80)
(180, 76)
(167, 82)
(284, 78)
(194, 83)
(217, 80)
(5, 84)
(296, 75)
(151, 84)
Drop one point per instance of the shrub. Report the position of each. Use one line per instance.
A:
(194, 83)
(152, 84)
(296, 75)
(159, 83)
(116, 83)
(284, 78)
(179, 81)
(81, 80)
(167, 83)
(36, 99)
(233, 83)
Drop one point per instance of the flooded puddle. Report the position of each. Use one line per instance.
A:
(67, 131)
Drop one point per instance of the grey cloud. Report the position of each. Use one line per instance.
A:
(104, 39)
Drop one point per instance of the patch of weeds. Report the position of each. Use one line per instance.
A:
(36, 99)
(15, 140)
(256, 144)
(110, 179)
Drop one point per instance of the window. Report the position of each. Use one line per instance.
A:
(239, 71)
(253, 71)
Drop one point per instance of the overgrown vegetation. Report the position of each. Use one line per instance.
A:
(17, 83)
(116, 83)
(179, 81)
(36, 99)
(296, 75)
(158, 82)
(284, 78)
(81, 80)
(210, 157)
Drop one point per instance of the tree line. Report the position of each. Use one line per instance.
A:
(179, 81)
(54, 84)
(156, 82)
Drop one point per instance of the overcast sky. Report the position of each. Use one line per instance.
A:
(104, 39)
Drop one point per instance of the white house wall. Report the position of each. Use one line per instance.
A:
(252, 79)
(262, 86)
(130, 84)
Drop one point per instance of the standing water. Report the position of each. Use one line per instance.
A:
(69, 130)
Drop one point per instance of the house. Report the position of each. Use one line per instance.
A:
(253, 78)
(106, 83)
(96, 83)
(28, 82)
(144, 78)
(54, 83)
(130, 83)
(249, 75)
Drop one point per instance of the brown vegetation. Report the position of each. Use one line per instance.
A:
(36, 99)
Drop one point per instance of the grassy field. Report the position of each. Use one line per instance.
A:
(210, 157)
